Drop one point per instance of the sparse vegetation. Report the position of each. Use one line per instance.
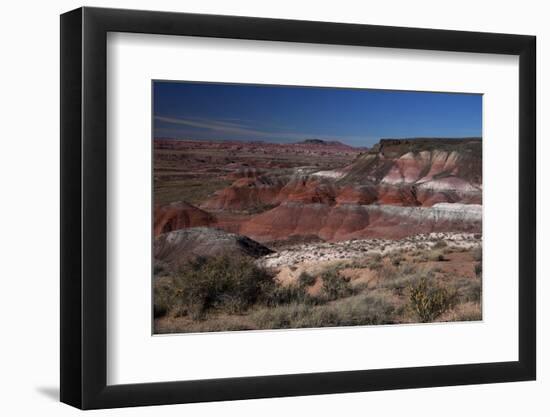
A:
(436, 256)
(226, 283)
(478, 268)
(429, 301)
(306, 280)
(477, 254)
(192, 190)
(440, 244)
(334, 285)
(233, 293)
(357, 310)
(287, 294)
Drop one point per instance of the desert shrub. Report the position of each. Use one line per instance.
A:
(478, 269)
(375, 265)
(477, 253)
(470, 311)
(436, 256)
(374, 262)
(472, 292)
(163, 297)
(223, 323)
(306, 280)
(396, 259)
(400, 279)
(364, 310)
(387, 272)
(160, 268)
(440, 244)
(335, 286)
(353, 311)
(407, 269)
(429, 301)
(223, 282)
(470, 315)
(467, 289)
(281, 317)
(287, 294)
(376, 257)
(398, 284)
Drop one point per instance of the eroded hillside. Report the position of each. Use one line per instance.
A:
(398, 188)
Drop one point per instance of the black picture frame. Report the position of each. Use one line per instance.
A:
(84, 207)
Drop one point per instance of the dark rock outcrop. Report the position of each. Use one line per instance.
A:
(182, 245)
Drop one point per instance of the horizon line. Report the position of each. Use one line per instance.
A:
(323, 140)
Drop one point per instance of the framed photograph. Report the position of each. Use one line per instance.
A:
(256, 208)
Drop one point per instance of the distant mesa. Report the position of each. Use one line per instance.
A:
(313, 142)
(321, 142)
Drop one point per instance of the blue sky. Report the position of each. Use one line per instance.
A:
(281, 114)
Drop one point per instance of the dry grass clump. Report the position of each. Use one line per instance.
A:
(356, 310)
(399, 279)
(334, 285)
(436, 256)
(467, 289)
(287, 294)
(163, 295)
(470, 311)
(396, 259)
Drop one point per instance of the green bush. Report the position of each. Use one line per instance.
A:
(224, 282)
(429, 301)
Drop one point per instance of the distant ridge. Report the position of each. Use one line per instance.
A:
(321, 142)
(429, 139)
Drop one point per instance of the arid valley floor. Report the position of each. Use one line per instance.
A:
(255, 235)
